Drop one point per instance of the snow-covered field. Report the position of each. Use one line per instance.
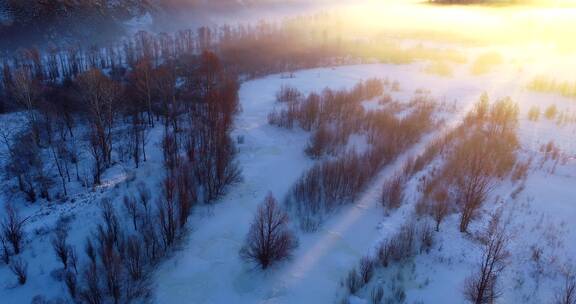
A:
(207, 267)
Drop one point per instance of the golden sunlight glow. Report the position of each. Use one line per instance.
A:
(529, 33)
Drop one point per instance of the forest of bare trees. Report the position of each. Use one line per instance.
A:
(87, 110)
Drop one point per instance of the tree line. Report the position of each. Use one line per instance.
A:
(333, 116)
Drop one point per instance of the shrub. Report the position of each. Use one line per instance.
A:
(550, 112)
(269, 239)
(20, 268)
(377, 295)
(393, 192)
(534, 113)
(366, 269)
(288, 94)
(353, 281)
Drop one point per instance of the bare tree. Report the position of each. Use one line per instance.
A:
(366, 269)
(5, 250)
(473, 178)
(92, 293)
(99, 94)
(73, 258)
(60, 247)
(482, 286)
(568, 293)
(61, 164)
(440, 207)
(26, 91)
(20, 269)
(393, 192)
(269, 239)
(319, 142)
(144, 197)
(143, 81)
(71, 284)
(167, 212)
(134, 259)
(131, 206)
(13, 229)
(27, 165)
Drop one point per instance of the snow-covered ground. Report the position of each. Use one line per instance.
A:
(209, 270)
(207, 267)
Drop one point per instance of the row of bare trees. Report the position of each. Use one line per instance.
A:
(334, 182)
(481, 155)
(340, 107)
(412, 239)
(234, 43)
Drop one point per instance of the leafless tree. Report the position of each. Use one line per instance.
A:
(165, 84)
(100, 94)
(143, 79)
(62, 166)
(26, 91)
(5, 250)
(440, 207)
(134, 258)
(92, 293)
(71, 284)
(353, 281)
(503, 116)
(474, 178)
(60, 246)
(366, 269)
(319, 142)
(288, 94)
(186, 190)
(482, 286)
(20, 268)
(567, 294)
(27, 165)
(376, 295)
(13, 229)
(393, 192)
(171, 151)
(167, 212)
(99, 162)
(144, 197)
(73, 258)
(131, 207)
(269, 239)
